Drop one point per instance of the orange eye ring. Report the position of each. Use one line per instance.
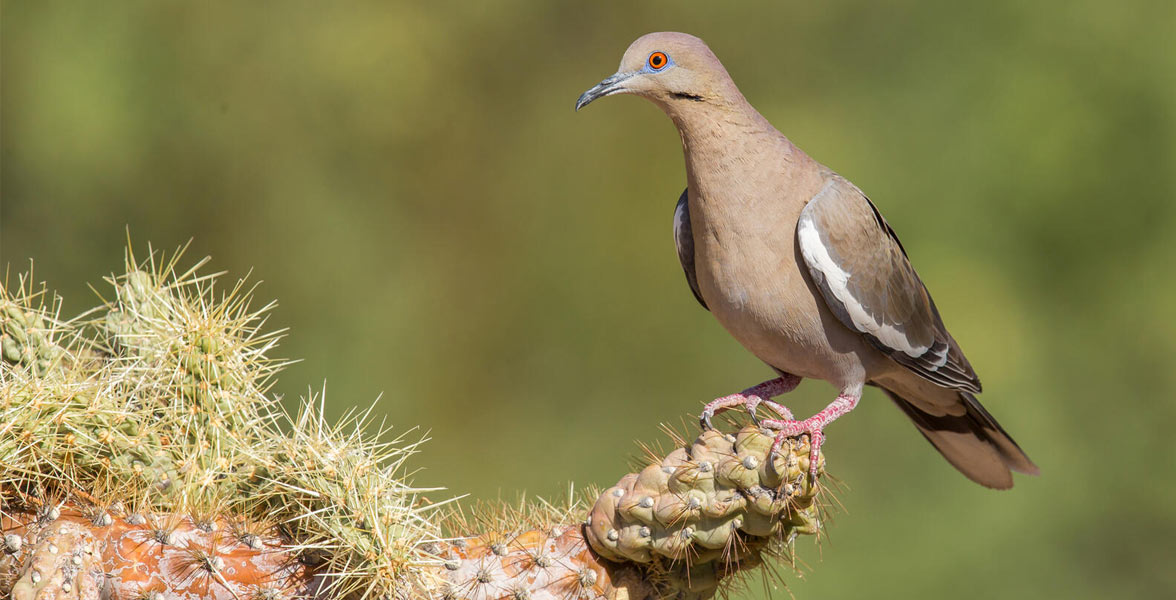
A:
(658, 61)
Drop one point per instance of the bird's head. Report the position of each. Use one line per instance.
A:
(671, 69)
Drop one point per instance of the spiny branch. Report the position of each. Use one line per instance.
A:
(142, 456)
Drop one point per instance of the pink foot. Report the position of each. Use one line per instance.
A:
(814, 426)
(751, 398)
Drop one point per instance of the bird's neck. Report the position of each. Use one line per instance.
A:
(715, 122)
(729, 143)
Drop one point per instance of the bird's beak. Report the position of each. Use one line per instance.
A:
(608, 87)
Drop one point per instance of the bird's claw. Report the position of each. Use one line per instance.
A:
(814, 426)
(789, 428)
(704, 421)
(749, 401)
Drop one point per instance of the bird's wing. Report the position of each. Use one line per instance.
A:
(864, 275)
(684, 240)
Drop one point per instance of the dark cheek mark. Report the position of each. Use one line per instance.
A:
(685, 96)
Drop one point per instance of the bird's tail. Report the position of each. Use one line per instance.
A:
(963, 431)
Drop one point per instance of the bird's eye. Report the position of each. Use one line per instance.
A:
(658, 61)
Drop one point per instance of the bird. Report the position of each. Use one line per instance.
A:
(800, 267)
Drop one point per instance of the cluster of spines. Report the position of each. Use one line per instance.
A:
(159, 399)
(29, 328)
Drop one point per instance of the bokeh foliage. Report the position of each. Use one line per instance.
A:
(411, 183)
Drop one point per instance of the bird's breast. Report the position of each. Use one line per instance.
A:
(749, 277)
(755, 283)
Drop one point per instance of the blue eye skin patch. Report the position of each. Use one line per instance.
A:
(649, 69)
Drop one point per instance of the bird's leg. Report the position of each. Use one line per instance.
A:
(814, 426)
(751, 398)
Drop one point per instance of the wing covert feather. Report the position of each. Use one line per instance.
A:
(866, 279)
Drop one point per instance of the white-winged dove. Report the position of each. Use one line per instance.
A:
(798, 265)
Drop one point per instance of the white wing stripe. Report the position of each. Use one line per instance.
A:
(816, 254)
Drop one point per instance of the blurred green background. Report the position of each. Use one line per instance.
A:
(410, 181)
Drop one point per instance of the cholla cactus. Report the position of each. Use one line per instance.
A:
(141, 456)
(29, 329)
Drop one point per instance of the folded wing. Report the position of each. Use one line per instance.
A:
(866, 280)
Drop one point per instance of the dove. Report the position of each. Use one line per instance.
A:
(800, 267)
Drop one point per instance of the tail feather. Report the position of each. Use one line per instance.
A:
(966, 434)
